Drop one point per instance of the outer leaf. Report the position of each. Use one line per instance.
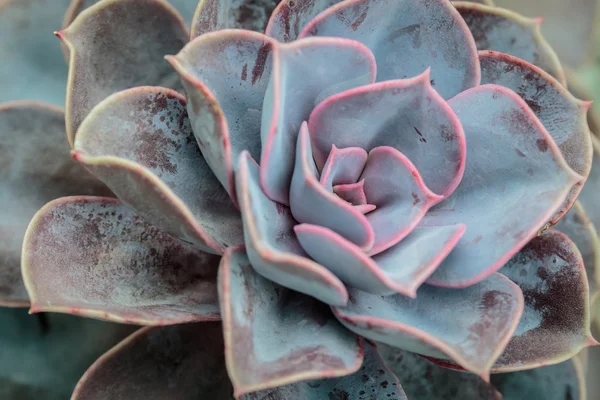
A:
(272, 245)
(290, 16)
(34, 350)
(579, 228)
(408, 115)
(93, 256)
(422, 379)
(115, 45)
(177, 362)
(225, 76)
(35, 169)
(573, 42)
(413, 35)
(556, 321)
(290, 98)
(310, 202)
(564, 116)
(526, 181)
(556, 382)
(471, 325)
(275, 336)
(373, 381)
(32, 66)
(508, 32)
(140, 143)
(401, 269)
(213, 15)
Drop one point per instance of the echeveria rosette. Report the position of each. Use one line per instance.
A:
(469, 151)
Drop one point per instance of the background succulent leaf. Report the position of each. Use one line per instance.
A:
(36, 167)
(526, 181)
(115, 45)
(588, 196)
(290, 98)
(271, 243)
(30, 53)
(471, 325)
(410, 39)
(275, 336)
(505, 31)
(564, 116)
(153, 164)
(43, 356)
(93, 256)
(290, 17)
(225, 76)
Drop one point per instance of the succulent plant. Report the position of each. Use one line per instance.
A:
(366, 181)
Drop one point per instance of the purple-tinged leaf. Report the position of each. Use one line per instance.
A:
(291, 16)
(394, 185)
(35, 168)
(412, 35)
(401, 269)
(505, 31)
(140, 143)
(32, 66)
(556, 321)
(115, 45)
(408, 115)
(334, 65)
(422, 379)
(373, 381)
(312, 203)
(93, 256)
(579, 228)
(470, 326)
(180, 362)
(272, 245)
(343, 166)
(43, 356)
(214, 15)
(514, 182)
(225, 76)
(564, 381)
(275, 336)
(564, 116)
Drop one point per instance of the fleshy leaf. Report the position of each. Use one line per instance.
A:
(408, 115)
(564, 116)
(32, 65)
(573, 41)
(394, 185)
(505, 31)
(35, 168)
(401, 269)
(579, 228)
(564, 381)
(290, 98)
(310, 202)
(275, 336)
(214, 15)
(290, 16)
(115, 45)
(373, 381)
(422, 379)
(272, 245)
(93, 256)
(413, 35)
(43, 356)
(471, 325)
(556, 321)
(589, 194)
(343, 166)
(140, 143)
(526, 181)
(353, 193)
(173, 362)
(225, 76)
